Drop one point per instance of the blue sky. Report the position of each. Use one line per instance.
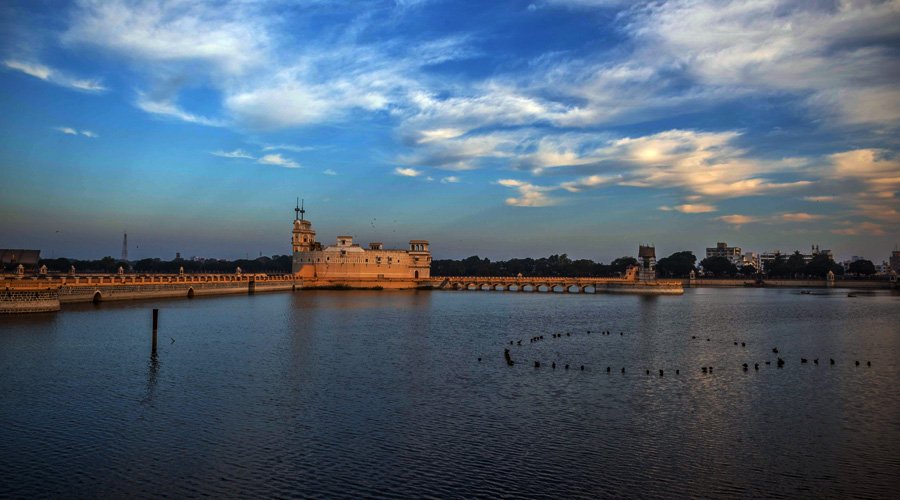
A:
(500, 128)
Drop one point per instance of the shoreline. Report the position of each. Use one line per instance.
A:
(49, 294)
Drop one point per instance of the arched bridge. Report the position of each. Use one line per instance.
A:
(559, 284)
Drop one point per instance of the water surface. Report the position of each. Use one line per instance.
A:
(364, 394)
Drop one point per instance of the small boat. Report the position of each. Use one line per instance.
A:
(851, 294)
(805, 292)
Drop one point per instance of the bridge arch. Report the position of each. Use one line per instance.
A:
(190, 293)
(98, 297)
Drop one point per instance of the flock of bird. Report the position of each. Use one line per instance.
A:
(705, 369)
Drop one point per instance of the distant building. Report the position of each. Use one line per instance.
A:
(750, 259)
(766, 258)
(895, 261)
(647, 262)
(347, 260)
(733, 254)
(10, 259)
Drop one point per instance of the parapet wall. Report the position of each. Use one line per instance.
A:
(28, 301)
(47, 294)
(789, 283)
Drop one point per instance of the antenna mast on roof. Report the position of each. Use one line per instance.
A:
(125, 247)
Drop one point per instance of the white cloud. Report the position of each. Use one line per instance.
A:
(329, 171)
(237, 153)
(73, 131)
(226, 36)
(464, 153)
(799, 217)
(278, 160)
(407, 172)
(489, 104)
(857, 229)
(840, 53)
(530, 195)
(54, 76)
(874, 165)
(450, 179)
(703, 163)
(876, 174)
(589, 182)
(67, 130)
(739, 220)
(33, 69)
(288, 147)
(171, 110)
(439, 134)
(819, 198)
(690, 208)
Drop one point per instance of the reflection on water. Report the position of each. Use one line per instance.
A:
(362, 394)
(152, 375)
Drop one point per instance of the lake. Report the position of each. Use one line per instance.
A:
(382, 394)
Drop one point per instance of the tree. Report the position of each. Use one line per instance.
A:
(718, 266)
(820, 265)
(748, 270)
(622, 263)
(678, 265)
(795, 264)
(777, 267)
(862, 267)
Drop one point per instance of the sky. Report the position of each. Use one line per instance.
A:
(502, 128)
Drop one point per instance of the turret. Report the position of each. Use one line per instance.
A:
(304, 238)
(647, 262)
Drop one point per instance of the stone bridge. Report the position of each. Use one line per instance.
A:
(559, 284)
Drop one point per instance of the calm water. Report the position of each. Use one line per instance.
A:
(381, 394)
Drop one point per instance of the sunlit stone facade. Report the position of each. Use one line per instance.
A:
(346, 260)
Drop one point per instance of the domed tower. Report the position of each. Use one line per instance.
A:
(646, 262)
(304, 238)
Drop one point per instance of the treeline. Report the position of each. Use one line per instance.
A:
(791, 266)
(677, 265)
(554, 265)
(277, 264)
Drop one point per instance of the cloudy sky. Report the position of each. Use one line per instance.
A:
(501, 128)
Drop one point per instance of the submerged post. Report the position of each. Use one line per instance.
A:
(155, 325)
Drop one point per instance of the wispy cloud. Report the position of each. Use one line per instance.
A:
(278, 160)
(227, 37)
(73, 131)
(329, 171)
(799, 217)
(450, 179)
(861, 228)
(171, 110)
(55, 76)
(237, 153)
(738, 220)
(690, 208)
(407, 172)
(288, 147)
(589, 182)
(530, 195)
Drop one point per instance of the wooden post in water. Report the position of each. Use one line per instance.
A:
(155, 325)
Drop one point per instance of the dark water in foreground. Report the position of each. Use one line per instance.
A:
(363, 394)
